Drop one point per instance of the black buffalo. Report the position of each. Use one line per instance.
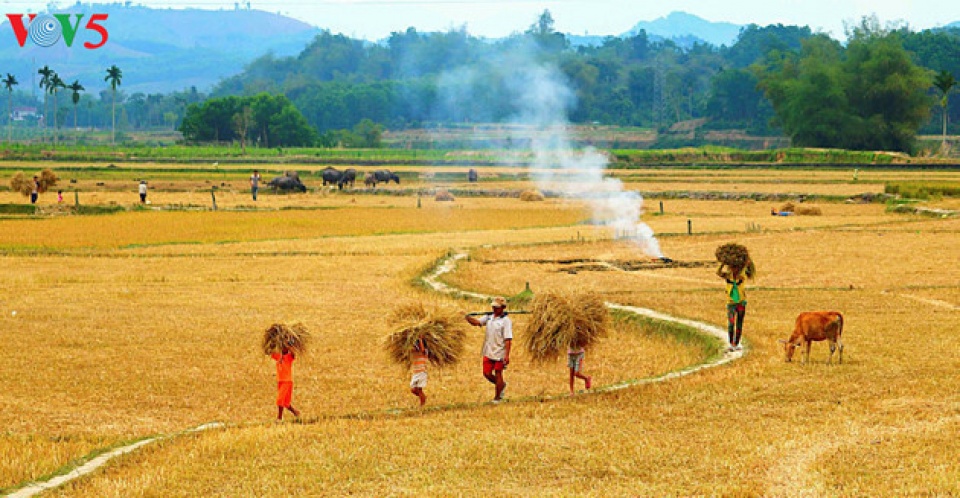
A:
(472, 175)
(331, 176)
(289, 181)
(385, 176)
(348, 176)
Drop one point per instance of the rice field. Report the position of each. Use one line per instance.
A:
(149, 321)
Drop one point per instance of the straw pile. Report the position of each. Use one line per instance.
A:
(788, 207)
(531, 195)
(48, 180)
(22, 184)
(443, 195)
(294, 337)
(442, 331)
(736, 256)
(558, 322)
(808, 211)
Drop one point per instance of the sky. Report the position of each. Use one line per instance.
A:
(376, 19)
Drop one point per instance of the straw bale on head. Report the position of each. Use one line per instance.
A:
(48, 180)
(443, 332)
(20, 183)
(736, 256)
(443, 195)
(558, 322)
(531, 196)
(294, 337)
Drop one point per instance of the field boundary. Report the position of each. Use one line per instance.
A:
(35, 488)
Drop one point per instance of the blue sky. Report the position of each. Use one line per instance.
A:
(376, 19)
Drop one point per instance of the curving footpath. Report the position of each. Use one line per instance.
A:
(432, 279)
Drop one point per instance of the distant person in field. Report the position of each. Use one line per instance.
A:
(255, 183)
(59, 196)
(36, 190)
(575, 363)
(285, 382)
(143, 191)
(418, 367)
(496, 344)
(736, 302)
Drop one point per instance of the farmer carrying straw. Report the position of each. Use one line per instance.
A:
(735, 267)
(496, 344)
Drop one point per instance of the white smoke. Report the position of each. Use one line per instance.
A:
(544, 99)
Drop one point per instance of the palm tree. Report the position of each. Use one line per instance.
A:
(113, 76)
(944, 81)
(76, 88)
(53, 87)
(46, 72)
(10, 81)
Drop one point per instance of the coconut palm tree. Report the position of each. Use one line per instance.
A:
(53, 87)
(46, 72)
(114, 75)
(10, 81)
(76, 88)
(944, 81)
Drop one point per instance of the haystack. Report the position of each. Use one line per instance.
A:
(294, 337)
(736, 256)
(558, 322)
(443, 196)
(442, 331)
(531, 196)
(22, 184)
(808, 211)
(48, 180)
(788, 207)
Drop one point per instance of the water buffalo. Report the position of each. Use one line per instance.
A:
(289, 181)
(472, 175)
(370, 180)
(331, 176)
(385, 176)
(348, 176)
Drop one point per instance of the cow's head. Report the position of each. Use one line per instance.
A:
(788, 349)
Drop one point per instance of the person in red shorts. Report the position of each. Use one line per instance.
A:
(285, 382)
(496, 344)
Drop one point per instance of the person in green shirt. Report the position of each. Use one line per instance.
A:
(737, 300)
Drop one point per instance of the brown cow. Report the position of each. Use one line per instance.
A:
(816, 326)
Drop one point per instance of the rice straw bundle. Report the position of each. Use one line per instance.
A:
(48, 180)
(22, 184)
(788, 207)
(442, 331)
(736, 256)
(443, 195)
(294, 337)
(531, 196)
(809, 211)
(558, 322)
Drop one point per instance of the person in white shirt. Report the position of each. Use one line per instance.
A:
(143, 191)
(496, 344)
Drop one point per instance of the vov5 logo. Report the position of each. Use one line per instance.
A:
(45, 30)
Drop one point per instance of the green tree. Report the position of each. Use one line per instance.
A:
(75, 88)
(114, 76)
(54, 88)
(944, 81)
(10, 81)
(45, 73)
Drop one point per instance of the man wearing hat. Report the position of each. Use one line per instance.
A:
(496, 344)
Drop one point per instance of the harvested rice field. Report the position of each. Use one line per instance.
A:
(149, 321)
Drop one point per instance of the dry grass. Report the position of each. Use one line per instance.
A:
(531, 196)
(559, 322)
(442, 332)
(166, 320)
(281, 337)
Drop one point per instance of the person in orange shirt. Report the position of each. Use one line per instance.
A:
(285, 382)
(418, 367)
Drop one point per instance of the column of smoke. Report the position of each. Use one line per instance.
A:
(542, 99)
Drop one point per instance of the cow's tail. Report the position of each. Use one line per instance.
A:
(839, 325)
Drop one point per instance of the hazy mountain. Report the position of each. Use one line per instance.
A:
(158, 50)
(683, 28)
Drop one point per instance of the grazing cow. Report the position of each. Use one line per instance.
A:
(815, 326)
(370, 180)
(385, 176)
